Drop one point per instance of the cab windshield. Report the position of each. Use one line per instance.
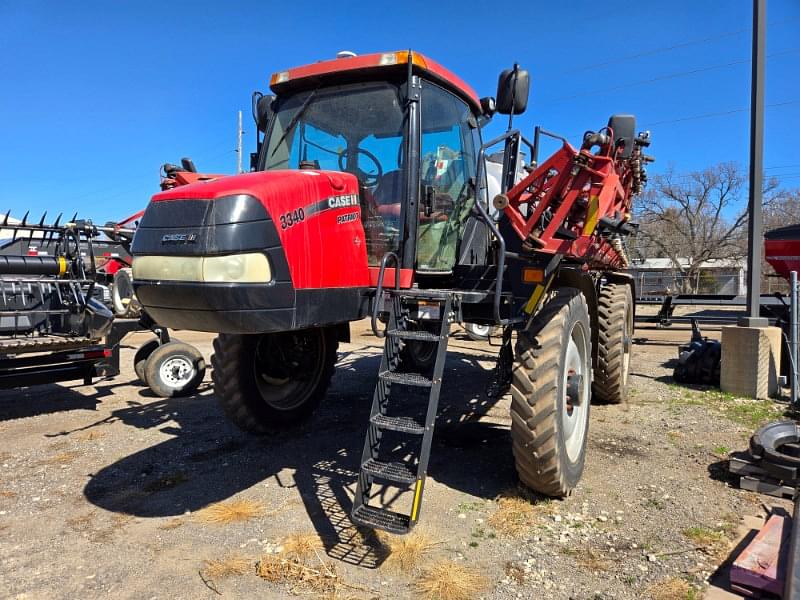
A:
(357, 128)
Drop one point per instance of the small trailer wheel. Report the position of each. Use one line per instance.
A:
(174, 369)
(478, 332)
(140, 358)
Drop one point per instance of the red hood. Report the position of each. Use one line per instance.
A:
(265, 185)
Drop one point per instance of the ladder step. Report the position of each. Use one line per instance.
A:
(371, 516)
(405, 378)
(434, 296)
(402, 424)
(422, 336)
(391, 471)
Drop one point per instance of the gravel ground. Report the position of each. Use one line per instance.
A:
(100, 488)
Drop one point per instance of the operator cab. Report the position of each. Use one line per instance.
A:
(406, 128)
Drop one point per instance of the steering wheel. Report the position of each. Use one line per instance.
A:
(368, 179)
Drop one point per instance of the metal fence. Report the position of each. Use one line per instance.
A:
(671, 282)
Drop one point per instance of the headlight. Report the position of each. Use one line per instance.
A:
(235, 268)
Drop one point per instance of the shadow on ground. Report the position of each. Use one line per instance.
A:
(208, 460)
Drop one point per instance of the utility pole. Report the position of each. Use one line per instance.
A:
(754, 208)
(239, 133)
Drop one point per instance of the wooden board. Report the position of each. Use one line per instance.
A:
(762, 565)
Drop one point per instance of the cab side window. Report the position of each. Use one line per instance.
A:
(448, 164)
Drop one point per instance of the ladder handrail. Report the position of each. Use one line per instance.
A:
(517, 136)
(379, 289)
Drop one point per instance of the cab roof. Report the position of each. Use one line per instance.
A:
(368, 65)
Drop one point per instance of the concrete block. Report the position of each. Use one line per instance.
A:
(751, 358)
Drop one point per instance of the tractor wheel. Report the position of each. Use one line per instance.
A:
(123, 298)
(174, 369)
(141, 356)
(272, 381)
(417, 356)
(615, 331)
(550, 394)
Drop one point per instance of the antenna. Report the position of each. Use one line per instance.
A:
(239, 133)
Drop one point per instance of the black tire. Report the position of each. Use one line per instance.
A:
(272, 381)
(418, 356)
(123, 298)
(543, 422)
(479, 332)
(615, 332)
(140, 358)
(174, 369)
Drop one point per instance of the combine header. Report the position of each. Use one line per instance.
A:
(55, 321)
(370, 196)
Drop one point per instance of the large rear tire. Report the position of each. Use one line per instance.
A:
(272, 381)
(550, 395)
(615, 331)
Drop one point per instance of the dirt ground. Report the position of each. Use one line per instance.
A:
(102, 491)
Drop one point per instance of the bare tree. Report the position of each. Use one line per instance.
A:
(694, 218)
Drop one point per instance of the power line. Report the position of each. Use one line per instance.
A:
(666, 77)
(716, 114)
(664, 49)
(652, 52)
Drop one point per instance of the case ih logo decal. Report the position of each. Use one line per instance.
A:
(343, 201)
(297, 215)
(179, 238)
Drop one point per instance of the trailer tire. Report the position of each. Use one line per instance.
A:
(123, 298)
(140, 358)
(251, 383)
(615, 331)
(548, 430)
(174, 369)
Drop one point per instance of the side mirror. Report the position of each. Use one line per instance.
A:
(513, 87)
(488, 106)
(624, 128)
(188, 165)
(262, 110)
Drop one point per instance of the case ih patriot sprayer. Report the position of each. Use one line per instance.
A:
(370, 197)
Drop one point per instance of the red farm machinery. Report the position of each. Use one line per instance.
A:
(372, 194)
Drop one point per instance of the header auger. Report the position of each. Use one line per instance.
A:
(372, 193)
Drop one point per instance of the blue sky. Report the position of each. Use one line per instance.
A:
(97, 95)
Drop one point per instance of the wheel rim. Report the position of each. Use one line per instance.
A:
(480, 330)
(288, 367)
(575, 385)
(176, 371)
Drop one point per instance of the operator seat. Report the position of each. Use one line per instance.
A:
(388, 194)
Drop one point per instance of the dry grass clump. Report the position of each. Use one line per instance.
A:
(232, 511)
(405, 552)
(673, 589)
(302, 546)
(517, 512)
(594, 561)
(450, 580)
(300, 577)
(171, 524)
(60, 459)
(220, 568)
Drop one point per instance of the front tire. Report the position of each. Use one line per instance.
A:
(272, 381)
(550, 395)
(174, 369)
(615, 332)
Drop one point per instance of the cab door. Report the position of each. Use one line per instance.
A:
(449, 145)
